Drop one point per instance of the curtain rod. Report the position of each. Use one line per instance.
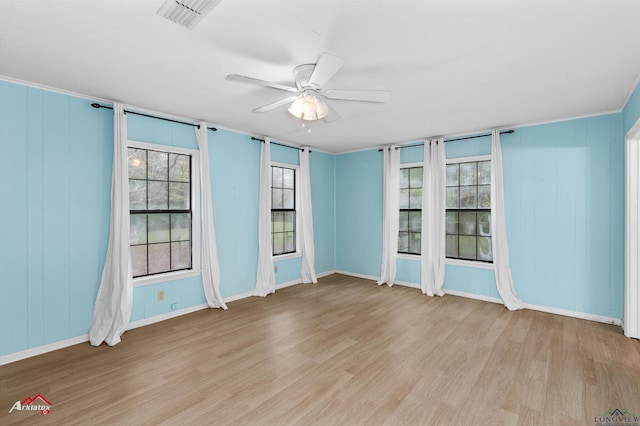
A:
(454, 139)
(96, 105)
(253, 138)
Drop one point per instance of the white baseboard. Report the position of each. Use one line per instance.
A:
(575, 314)
(540, 308)
(39, 350)
(28, 353)
(166, 316)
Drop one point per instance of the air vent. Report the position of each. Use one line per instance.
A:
(186, 12)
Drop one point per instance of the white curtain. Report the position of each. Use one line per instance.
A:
(265, 278)
(391, 214)
(308, 270)
(210, 266)
(433, 218)
(504, 280)
(112, 310)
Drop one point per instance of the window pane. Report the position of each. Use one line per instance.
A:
(276, 177)
(178, 196)
(467, 247)
(452, 246)
(276, 200)
(180, 255)
(452, 175)
(277, 221)
(287, 178)
(290, 242)
(468, 197)
(158, 195)
(139, 260)
(415, 221)
(404, 221)
(179, 167)
(403, 242)
(138, 229)
(452, 223)
(484, 248)
(137, 194)
(404, 178)
(484, 224)
(404, 198)
(289, 221)
(415, 179)
(288, 197)
(484, 197)
(158, 228)
(414, 242)
(180, 227)
(158, 165)
(467, 223)
(453, 197)
(415, 198)
(137, 163)
(278, 243)
(159, 258)
(484, 173)
(468, 174)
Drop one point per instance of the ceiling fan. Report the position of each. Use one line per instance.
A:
(308, 100)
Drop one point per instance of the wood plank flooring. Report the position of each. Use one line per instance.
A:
(342, 352)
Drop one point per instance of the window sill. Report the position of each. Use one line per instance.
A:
(408, 256)
(161, 278)
(469, 263)
(280, 257)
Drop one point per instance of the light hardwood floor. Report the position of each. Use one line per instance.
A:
(341, 352)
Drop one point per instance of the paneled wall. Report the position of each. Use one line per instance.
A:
(55, 184)
(55, 178)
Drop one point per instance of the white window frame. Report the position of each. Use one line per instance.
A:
(463, 262)
(196, 235)
(296, 171)
(410, 256)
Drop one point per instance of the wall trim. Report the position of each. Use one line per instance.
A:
(166, 316)
(39, 350)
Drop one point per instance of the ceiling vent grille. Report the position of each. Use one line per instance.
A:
(186, 12)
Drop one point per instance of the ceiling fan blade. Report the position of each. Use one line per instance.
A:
(327, 67)
(359, 95)
(332, 115)
(276, 104)
(245, 79)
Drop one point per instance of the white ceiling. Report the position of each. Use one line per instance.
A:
(453, 66)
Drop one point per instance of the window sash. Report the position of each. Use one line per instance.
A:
(162, 255)
(283, 210)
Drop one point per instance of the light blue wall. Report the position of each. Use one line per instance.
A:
(564, 196)
(359, 180)
(55, 184)
(55, 180)
(235, 176)
(322, 171)
(631, 111)
(564, 202)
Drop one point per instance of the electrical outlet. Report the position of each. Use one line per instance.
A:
(275, 268)
(174, 306)
(160, 295)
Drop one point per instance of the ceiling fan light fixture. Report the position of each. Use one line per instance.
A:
(309, 107)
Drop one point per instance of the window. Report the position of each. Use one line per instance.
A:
(160, 211)
(410, 229)
(283, 210)
(468, 223)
